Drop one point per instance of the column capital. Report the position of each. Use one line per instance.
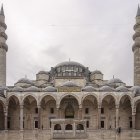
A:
(21, 106)
(133, 113)
(99, 106)
(117, 106)
(38, 106)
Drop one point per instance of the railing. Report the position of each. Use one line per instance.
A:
(69, 134)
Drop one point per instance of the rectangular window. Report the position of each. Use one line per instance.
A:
(36, 124)
(36, 110)
(87, 124)
(23, 124)
(8, 124)
(86, 110)
(102, 124)
(130, 124)
(50, 123)
(51, 110)
(102, 110)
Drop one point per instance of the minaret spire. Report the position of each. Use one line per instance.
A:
(2, 10)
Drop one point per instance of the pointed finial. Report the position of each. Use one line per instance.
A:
(138, 11)
(69, 59)
(113, 76)
(2, 10)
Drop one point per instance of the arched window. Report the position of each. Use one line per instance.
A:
(80, 127)
(57, 127)
(68, 127)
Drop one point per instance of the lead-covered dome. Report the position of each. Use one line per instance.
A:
(69, 69)
(114, 80)
(135, 90)
(69, 63)
(50, 89)
(106, 89)
(32, 89)
(122, 89)
(89, 89)
(24, 82)
(69, 84)
(17, 89)
(96, 72)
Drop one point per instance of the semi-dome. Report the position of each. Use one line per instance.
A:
(135, 90)
(106, 89)
(32, 89)
(114, 80)
(96, 72)
(25, 80)
(69, 63)
(89, 89)
(17, 89)
(122, 89)
(69, 84)
(50, 89)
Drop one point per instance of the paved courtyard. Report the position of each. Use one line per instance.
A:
(93, 135)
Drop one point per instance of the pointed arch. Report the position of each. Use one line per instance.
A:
(109, 94)
(69, 94)
(27, 95)
(47, 95)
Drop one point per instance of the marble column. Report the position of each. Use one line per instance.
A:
(58, 113)
(117, 116)
(74, 129)
(39, 116)
(99, 117)
(5, 119)
(21, 117)
(80, 114)
(134, 120)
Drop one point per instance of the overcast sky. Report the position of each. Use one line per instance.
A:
(96, 33)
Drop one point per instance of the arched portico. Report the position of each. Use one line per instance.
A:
(125, 112)
(69, 107)
(137, 119)
(108, 112)
(48, 111)
(90, 111)
(30, 113)
(13, 113)
(2, 120)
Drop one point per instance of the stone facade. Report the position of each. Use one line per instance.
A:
(70, 97)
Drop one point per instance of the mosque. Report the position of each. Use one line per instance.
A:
(69, 96)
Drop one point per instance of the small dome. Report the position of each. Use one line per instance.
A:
(89, 89)
(50, 89)
(69, 63)
(114, 80)
(25, 80)
(122, 89)
(96, 72)
(43, 72)
(17, 89)
(69, 84)
(106, 89)
(135, 90)
(32, 89)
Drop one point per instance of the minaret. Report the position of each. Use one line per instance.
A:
(3, 48)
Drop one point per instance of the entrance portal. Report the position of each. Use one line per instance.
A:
(69, 111)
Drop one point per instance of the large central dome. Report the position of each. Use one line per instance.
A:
(69, 63)
(69, 69)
